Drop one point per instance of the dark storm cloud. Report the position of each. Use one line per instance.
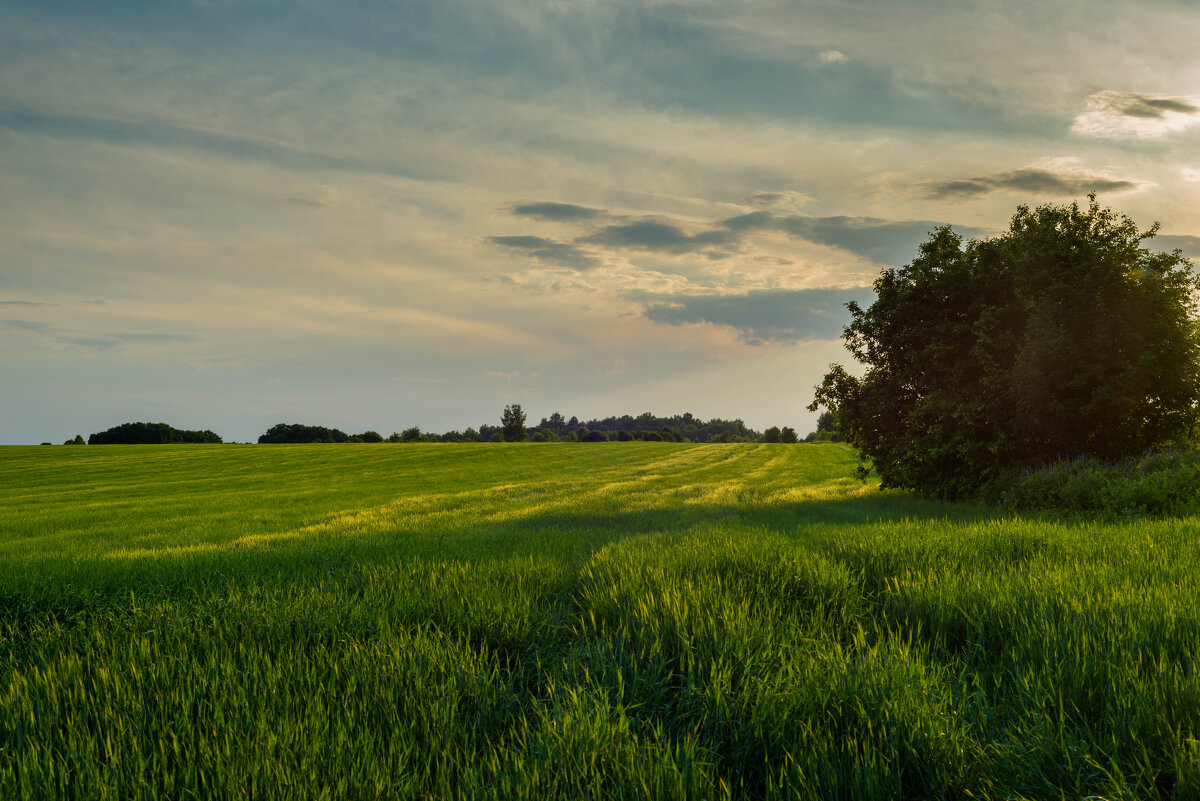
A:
(1030, 180)
(556, 211)
(1146, 107)
(548, 250)
(156, 133)
(766, 315)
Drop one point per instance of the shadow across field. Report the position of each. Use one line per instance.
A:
(559, 539)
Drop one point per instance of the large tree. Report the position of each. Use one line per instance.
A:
(1063, 337)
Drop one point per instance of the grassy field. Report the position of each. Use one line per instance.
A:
(575, 621)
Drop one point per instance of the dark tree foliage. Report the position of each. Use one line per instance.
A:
(685, 427)
(593, 436)
(149, 434)
(771, 434)
(1061, 338)
(788, 436)
(282, 433)
(826, 431)
(512, 421)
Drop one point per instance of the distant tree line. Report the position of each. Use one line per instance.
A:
(645, 427)
(148, 434)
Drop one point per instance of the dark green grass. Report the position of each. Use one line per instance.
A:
(590, 621)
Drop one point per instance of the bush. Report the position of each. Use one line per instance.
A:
(1158, 484)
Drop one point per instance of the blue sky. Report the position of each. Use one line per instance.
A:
(368, 215)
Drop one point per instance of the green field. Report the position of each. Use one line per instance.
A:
(575, 621)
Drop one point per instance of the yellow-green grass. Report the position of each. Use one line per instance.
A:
(574, 621)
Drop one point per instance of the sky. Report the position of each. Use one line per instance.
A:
(226, 214)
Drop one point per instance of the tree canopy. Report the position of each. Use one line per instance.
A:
(148, 434)
(1064, 337)
(283, 433)
(512, 420)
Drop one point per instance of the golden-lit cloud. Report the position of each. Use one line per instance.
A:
(1130, 114)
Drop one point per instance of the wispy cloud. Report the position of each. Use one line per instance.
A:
(1116, 114)
(556, 211)
(779, 199)
(150, 132)
(548, 250)
(656, 235)
(760, 316)
(1031, 181)
(99, 341)
(890, 242)
(26, 325)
